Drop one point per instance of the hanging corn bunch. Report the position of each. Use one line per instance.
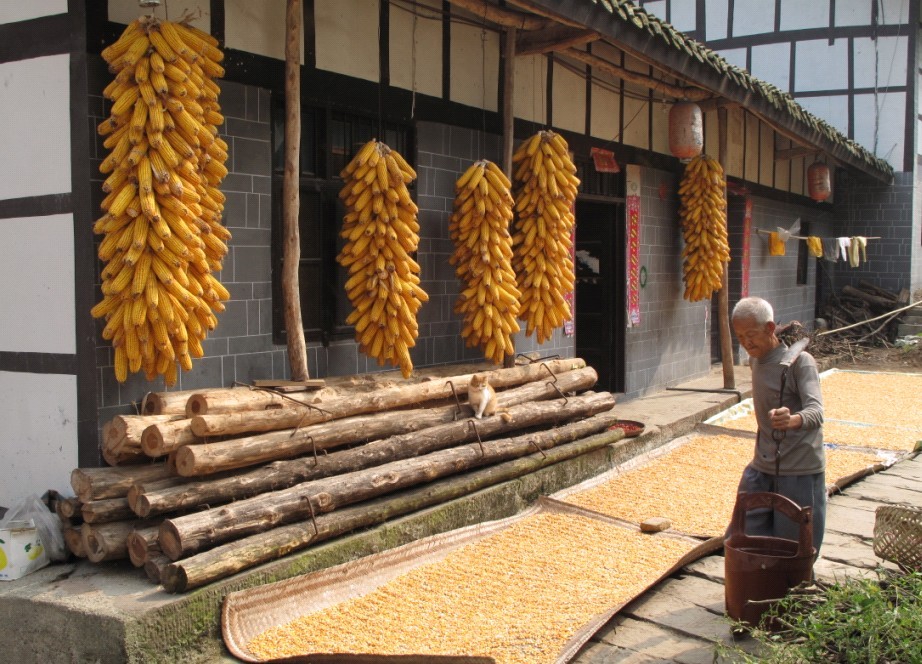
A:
(703, 213)
(479, 228)
(381, 232)
(163, 237)
(546, 188)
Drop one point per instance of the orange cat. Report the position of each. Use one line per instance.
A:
(482, 398)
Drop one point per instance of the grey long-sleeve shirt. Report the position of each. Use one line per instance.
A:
(802, 449)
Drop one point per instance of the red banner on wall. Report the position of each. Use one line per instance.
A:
(633, 246)
(747, 229)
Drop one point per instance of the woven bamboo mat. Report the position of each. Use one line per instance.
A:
(249, 613)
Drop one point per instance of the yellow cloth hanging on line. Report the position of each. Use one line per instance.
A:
(858, 243)
(775, 244)
(815, 245)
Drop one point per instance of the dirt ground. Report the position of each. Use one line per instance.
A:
(906, 359)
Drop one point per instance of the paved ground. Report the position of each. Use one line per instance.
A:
(680, 619)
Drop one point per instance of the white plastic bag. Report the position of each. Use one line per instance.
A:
(46, 523)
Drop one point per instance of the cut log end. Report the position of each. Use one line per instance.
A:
(170, 541)
(137, 549)
(154, 566)
(196, 405)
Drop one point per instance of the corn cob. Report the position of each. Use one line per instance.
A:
(162, 222)
(703, 214)
(479, 228)
(381, 232)
(546, 188)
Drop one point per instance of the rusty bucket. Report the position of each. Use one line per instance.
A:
(758, 570)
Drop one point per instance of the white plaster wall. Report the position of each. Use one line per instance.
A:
(715, 19)
(257, 27)
(346, 36)
(474, 66)
(833, 109)
(39, 435)
(735, 56)
(885, 137)
(656, 7)
(799, 15)
(12, 11)
(894, 11)
(37, 271)
(853, 12)
(126, 11)
(820, 65)
(753, 17)
(772, 63)
(35, 127)
(569, 99)
(880, 62)
(530, 101)
(424, 30)
(682, 15)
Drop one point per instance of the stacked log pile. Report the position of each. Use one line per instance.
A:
(242, 476)
(861, 315)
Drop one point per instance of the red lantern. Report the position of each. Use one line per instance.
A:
(686, 130)
(818, 183)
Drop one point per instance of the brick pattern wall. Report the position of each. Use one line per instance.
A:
(874, 209)
(672, 342)
(240, 348)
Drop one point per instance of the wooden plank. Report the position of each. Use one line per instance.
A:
(311, 383)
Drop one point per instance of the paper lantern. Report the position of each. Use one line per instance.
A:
(818, 181)
(686, 130)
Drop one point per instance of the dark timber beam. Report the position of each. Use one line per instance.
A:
(557, 38)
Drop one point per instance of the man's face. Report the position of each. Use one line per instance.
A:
(757, 339)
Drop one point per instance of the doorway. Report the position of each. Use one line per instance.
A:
(600, 290)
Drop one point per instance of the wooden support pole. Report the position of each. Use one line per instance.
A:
(291, 203)
(723, 296)
(508, 124)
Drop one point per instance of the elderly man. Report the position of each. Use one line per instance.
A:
(789, 457)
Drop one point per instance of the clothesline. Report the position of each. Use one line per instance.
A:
(799, 237)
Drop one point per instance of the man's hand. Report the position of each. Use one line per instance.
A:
(782, 420)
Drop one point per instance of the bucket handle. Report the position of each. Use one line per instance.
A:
(774, 501)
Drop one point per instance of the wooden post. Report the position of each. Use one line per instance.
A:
(291, 291)
(508, 123)
(723, 297)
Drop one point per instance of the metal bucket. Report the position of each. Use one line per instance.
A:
(758, 571)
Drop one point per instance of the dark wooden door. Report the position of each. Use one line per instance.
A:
(600, 290)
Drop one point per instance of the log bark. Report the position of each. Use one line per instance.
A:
(186, 535)
(291, 236)
(140, 489)
(241, 399)
(883, 303)
(142, 543)
(108, 541)
(130, 428)
(241, 554)
(106, 510)
(128, 458)
(69, 508)
(384, 399)
(166, 403)
(198, 460)
(161, 438)
(99, 483)
(284, 474)
(154, 567)
(74, 541)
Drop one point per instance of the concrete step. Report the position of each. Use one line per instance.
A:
(911, 318)
(907, 329)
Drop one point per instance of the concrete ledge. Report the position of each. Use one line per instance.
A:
(110, 613)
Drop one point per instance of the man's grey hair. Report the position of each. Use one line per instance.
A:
(755, 309)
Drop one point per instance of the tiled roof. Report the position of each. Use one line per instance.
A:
(641, 20)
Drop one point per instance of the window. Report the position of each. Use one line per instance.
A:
(599, 184)
(329, 141)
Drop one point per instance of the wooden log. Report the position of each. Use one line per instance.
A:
(186, 535)
(384, 399)
(142, 543)
(128, 458)
(233, 401)
(154, 566)
(99, 483)
(141, 489)
(69, 508)
(241, 554)
(130, 428)
(74, 542)
(283, 474)
(166, 403)
(108, 541)
(880, 302)
(161, 438)
(198, 460)
(106, 510)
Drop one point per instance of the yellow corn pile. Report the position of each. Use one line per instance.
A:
(695, 485)
(479, 228)
(703, 213)
(162, 224)
(381, 232)
(887, 399)
(517, 596)
(545, 192)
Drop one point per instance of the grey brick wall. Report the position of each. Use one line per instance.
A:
(672, 342)
(872, 209)
(240, 348)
